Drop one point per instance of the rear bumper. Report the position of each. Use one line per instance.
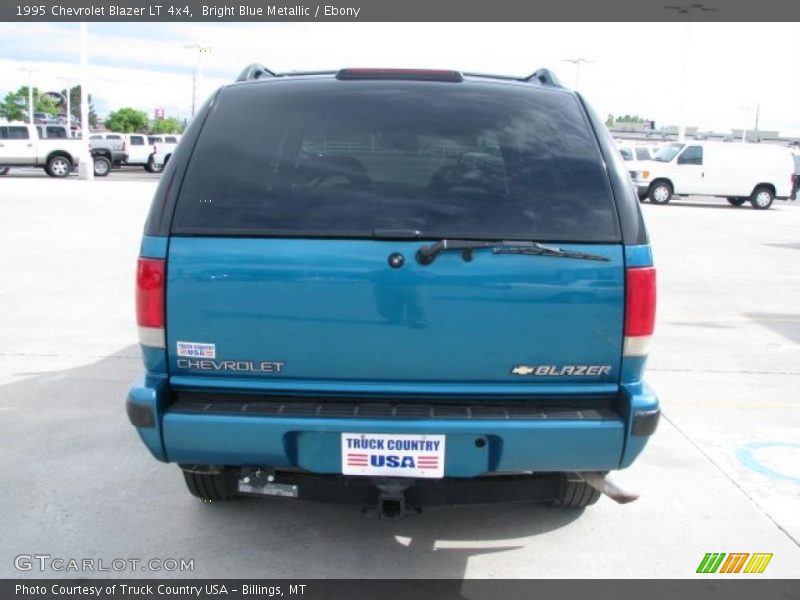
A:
(553, 441)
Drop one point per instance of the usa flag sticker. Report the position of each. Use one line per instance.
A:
(393, 455)
(197, 350)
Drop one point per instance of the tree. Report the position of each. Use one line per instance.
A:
(75, 105)
(15, 105)
(169, 125)
(127, 120)
(629, 119)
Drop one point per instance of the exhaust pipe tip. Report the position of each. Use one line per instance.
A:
(607, 487)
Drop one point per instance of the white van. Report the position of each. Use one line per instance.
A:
(739, 172)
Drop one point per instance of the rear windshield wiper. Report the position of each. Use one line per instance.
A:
(427, 254)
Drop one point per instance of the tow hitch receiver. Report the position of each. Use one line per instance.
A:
(391, 503)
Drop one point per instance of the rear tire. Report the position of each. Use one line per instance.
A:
(736, 201)
(576, 494)
(762, 198)
(102, 166)
(208, 486)
(58, 166)
(3, 171)
(660, 192)
(151, 167)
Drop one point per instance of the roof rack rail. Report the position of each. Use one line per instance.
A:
(545, 77)
(255, 71)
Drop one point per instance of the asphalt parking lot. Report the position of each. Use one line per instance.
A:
(722, 473)
(126, 173)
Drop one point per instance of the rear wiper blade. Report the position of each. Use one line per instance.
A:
(540, 250)
(427, 254)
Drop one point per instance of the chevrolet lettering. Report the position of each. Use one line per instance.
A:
(230, 365)
(396, 288)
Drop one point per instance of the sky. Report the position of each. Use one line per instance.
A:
(636, 68)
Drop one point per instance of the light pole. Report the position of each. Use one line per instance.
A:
(686, 10)
(577, 62)
(68, 83)
(198, 71)
(86, 164)
(746, 111)
(30, 92)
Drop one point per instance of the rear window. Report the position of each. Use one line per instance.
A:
(56, 133)
(625, 153)
(17, 133)
(154, 140)
(349, 158)
(171, 140)
(137, 140)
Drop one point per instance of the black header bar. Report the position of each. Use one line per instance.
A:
(398, 10)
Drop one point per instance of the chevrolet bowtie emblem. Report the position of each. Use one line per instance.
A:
(522, 370)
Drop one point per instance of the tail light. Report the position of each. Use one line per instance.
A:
(150, 287)
(640, 309)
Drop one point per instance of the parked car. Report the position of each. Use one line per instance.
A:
(108, 152)
(326, 309)
(739, 172)
(22, 146)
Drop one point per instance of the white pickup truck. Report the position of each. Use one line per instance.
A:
(21, 145)
(162, 152)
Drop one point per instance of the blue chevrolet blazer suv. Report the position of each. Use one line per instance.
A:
(395, 288)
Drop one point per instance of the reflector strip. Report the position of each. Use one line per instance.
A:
(636, 345)
(152, 337)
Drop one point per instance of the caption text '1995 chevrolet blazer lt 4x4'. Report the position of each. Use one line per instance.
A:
(396, 288)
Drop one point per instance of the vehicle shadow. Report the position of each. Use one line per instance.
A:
(710, 204)
(79, 484)
(787, 325)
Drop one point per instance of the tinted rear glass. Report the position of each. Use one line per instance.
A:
(18, 133)
(56, 133)
(347, 158)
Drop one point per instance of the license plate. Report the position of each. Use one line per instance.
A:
(393, 455)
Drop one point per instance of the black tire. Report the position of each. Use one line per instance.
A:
(576, 493)
(208, 486)
(736, 201)
(761, 198)
(3, 171)
(102, 166)
(58, 166)
(151, 167)
(660, 192)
